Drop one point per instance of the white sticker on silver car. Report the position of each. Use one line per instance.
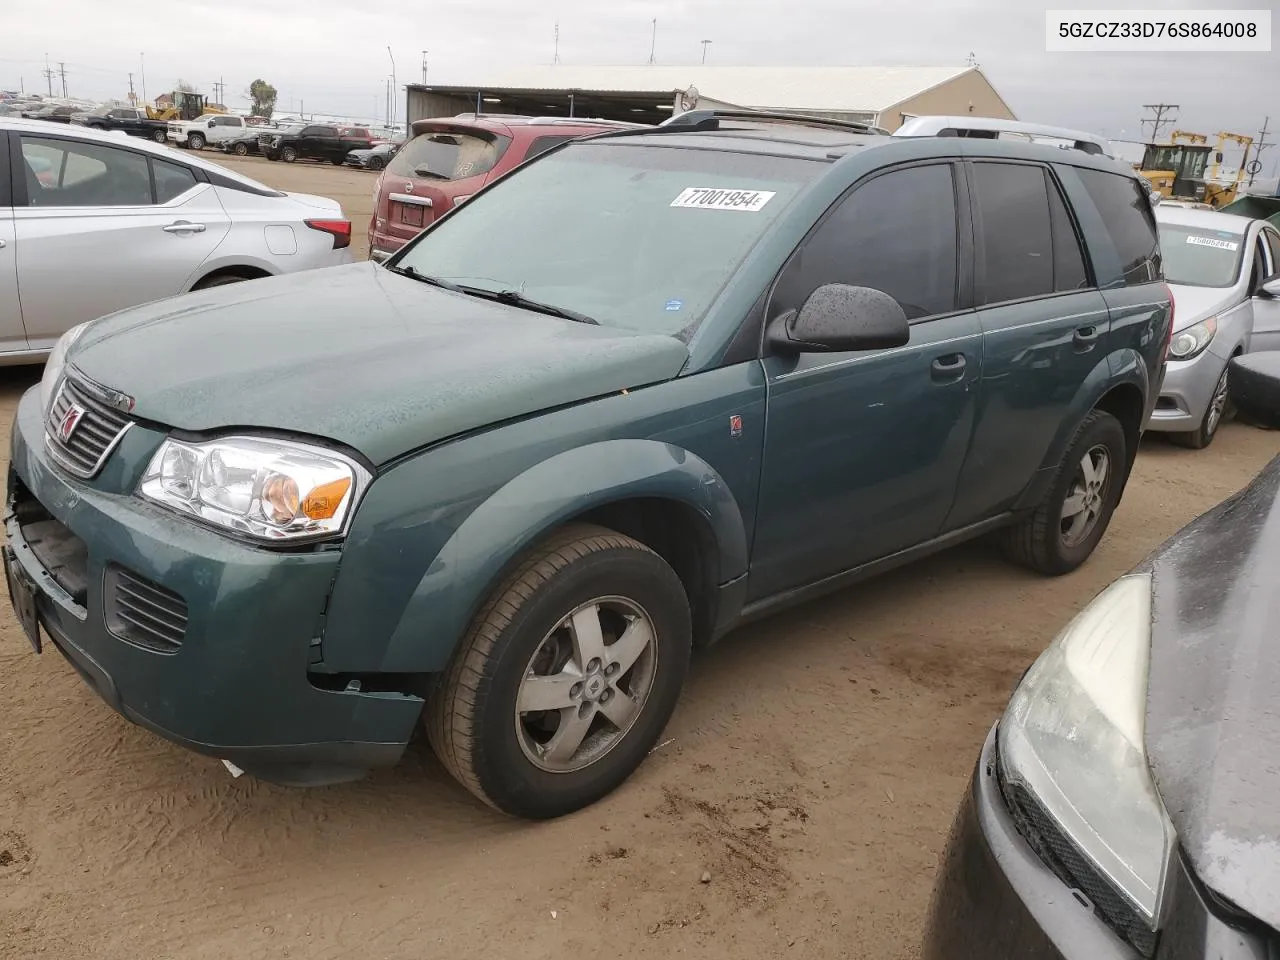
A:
(1213, 242)
(720, 198)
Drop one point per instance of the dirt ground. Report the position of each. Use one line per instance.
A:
(812, 769)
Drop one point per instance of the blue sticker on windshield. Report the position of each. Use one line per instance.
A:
(674, 306)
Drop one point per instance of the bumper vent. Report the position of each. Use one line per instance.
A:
(142, 612)
(81, 431)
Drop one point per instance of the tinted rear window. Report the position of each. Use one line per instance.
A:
(1013, 232)
(1129, 225)
(449, 155)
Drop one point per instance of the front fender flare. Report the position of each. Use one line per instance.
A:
(537, 501)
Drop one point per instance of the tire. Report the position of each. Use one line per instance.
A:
(336, 161)
(159, 136)
(1216, 413)
(1051, 543)
(196, 141)
(218, 281)
(507, 757)
(375, 163)
(288, 154)
(240, 149)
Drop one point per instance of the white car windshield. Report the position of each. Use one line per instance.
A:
(639, 237)
(1196, 257)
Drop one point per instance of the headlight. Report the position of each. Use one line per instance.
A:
(56, 363)
(267, 489)
(1072, 737)
(1192, 341)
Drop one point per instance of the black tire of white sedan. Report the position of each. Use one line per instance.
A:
(567, 676)
(1061, 533)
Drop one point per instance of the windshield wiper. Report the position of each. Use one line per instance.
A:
(413, 274)
(516, 299)
(429, 174)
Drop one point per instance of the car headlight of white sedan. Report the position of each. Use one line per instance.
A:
(1072, 739)
(266, 489)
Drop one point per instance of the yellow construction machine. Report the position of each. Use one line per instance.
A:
(1177, 169)
(184, 105)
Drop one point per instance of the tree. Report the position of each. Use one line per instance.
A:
(183, 87)
(263, 96)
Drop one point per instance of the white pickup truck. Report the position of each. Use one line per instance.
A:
(205, 129)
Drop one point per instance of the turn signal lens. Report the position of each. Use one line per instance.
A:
(323, 501)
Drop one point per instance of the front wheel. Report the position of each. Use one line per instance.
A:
(566, 677)
(288, 154)
(336, 161)
(1064, 529)
(376, 163)
(196, 141)
(240, 149)
(1214, 414)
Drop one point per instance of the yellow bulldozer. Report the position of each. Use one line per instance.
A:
(1179, 169)
(183, 105)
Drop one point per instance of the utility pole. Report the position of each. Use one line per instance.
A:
(705, 44)
(555, 58)
(62, 69)
(48, 74)
(302, 109)
(424, 66)
(653, 42)
(133, 97)
(1157, 118)
(1259, 145)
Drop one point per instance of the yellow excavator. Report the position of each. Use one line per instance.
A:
(1177, 169)
(185, 105)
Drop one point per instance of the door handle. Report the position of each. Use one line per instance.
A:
(1085, 336)
(949, 367)
(184, 226)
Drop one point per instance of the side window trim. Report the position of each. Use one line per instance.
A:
(1053, 183)
(964, 242)
(6, 178)
(1271, 242)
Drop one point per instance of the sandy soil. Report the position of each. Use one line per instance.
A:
(812, 769)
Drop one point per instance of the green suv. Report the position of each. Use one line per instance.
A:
(646, 387)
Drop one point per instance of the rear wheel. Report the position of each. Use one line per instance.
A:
(1217, 411)
(376, 163)
(196, 141)
(566, 677)
(336, 161)
(219, 281)
(1064, 529)
(240, 149)
(159, 136)
(288, 154)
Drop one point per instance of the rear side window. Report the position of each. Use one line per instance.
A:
(1013, 231)
(1125, 211)
(172, 180)
(895, 233)
(448, 155)
(543, 144)
(1068, 259)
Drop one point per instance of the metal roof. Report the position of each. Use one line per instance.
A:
(862, 89)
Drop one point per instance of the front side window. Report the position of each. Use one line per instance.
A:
(68, 173)
(1196, 257)
(446, 155)
(638, 237)
(895, 233)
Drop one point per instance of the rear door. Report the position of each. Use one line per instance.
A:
(1044, 331)
(13, 336)
(1266, 308)
(103, 227)
(863, 449)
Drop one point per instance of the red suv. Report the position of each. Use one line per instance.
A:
(448, 159)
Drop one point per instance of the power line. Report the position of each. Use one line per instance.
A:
(1157, 118)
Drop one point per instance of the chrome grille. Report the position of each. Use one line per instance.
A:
(142, 612)
(83, 448)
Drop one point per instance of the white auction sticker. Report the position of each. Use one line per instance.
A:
(720, 198)
(1213, 242)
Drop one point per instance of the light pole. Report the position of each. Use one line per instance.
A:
(705, 44)
(424, 66)
(393, 86)
(142, 59)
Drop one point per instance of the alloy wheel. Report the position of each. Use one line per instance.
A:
(1086, 496)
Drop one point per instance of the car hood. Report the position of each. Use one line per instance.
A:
(1193, 304)
(1213, 707)
(358, 355)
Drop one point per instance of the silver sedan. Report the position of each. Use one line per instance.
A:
(92, 222)
(1224, 273)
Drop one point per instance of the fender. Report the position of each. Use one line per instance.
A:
(536, 501)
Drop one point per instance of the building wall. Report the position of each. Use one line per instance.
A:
(424, 105)
(968, 94)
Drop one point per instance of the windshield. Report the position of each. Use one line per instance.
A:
(449, 155)
(642, 238)
(1197, 257)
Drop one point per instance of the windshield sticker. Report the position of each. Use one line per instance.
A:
(1211, 242)
(674, 306)
(717, 198)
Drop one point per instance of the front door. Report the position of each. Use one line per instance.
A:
(94, 236)
(862, 450)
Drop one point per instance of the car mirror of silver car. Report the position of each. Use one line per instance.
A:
(838, 317)
(1272, 287)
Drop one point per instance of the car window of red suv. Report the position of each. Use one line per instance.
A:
(449, 155)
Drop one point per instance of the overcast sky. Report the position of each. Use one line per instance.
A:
(333, 53)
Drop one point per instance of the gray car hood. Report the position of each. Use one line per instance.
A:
(1193, 304)
(1213, 708)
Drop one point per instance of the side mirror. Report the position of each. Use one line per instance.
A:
(1272, 288)
(1254, 384)
(838, 317)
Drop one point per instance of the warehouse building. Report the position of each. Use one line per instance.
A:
(883, 96)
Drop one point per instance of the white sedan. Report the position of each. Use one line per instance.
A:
(92, 222)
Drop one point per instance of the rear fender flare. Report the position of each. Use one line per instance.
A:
(526, 508)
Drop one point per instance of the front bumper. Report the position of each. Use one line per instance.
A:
(238, 687)
(1185, 393)
(995, 899)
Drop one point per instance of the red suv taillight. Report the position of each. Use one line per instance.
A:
(340, 230)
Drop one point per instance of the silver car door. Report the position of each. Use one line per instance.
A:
(91, 237)
(1266, 308)
(13, 337)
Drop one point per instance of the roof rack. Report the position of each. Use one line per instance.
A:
(991, 128)
(710, 120)
(519, 118)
